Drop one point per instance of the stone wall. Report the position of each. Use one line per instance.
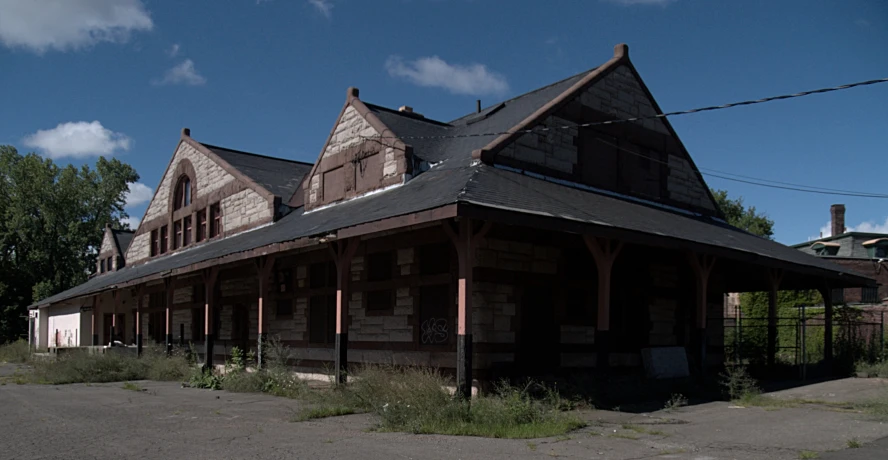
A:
(244, 208)
(210, 177)
(107, 244)
(351, 130)
(621, 95)
(397, 327)
(684, 186)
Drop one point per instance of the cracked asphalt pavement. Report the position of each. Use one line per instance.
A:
(106, 421)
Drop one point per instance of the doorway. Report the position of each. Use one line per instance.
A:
(240, 327)
(539, 336)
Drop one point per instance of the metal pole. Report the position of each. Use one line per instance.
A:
(804, 345)
(740, 338)
(882, 335)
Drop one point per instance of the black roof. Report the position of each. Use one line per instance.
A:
(277, 175)
(455, 177)
(123, 238)
(504, 115)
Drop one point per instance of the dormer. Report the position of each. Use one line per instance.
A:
(823, 248)
(111, 252)
(877, 248)
(361, 155)
(208, 193)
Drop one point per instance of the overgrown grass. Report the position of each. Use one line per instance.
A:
(415, 400)
(15, 352)
(808, 455)
(875, 369)
(83, 367)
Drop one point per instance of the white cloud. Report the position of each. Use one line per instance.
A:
(174, 50)
(182, 74)
(39, 25)
(138, 193)
(472, 79)
(864, 227)
(79, 139)
(871, 227)
(324, 7)
(132, 221)
(641, 2)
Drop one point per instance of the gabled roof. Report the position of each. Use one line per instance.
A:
(456, 178)
(122, 238)
(279, 176)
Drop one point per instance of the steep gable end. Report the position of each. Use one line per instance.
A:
(221, 201)
(643, 159)
(361, 155)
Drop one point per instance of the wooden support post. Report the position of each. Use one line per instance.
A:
(210, 276)
(170, 290)
(342, 252)
(775, 276)
(97, 307)
(140, 294)
(702, 265)
(465, 238)
(264, 269)
(604, 252)
(826, 293)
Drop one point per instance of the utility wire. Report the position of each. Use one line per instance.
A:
(757, 181)
(650, 117)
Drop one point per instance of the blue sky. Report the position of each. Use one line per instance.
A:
(122, 77)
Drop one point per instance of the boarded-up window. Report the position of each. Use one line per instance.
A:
(334, 185)
(435, 322)
(368, 172)
(434, 259)
(380, 267)
(198, 324)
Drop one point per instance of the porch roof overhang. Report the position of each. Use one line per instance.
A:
(489, 193)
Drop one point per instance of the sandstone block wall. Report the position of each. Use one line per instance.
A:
(244, 208)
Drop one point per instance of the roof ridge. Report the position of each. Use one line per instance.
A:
(211, 146)
(528, 93)
(398, 112)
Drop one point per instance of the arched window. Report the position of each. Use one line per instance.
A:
(182, 195)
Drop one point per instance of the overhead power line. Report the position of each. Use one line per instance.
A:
(758, 181)
(543, 129)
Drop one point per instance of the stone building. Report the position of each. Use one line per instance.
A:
(526, 237)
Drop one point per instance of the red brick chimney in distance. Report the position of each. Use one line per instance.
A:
(837, 219)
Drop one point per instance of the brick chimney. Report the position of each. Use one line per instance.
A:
(837, 218)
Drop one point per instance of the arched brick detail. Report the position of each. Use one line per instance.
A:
(183, 168)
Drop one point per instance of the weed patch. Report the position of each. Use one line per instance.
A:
(675, 402)
(84, 367)
(132, 386)
(808, 454)
(15, 352)
(854, 443)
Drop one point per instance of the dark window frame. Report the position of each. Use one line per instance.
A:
(183, 193)
(378, 297)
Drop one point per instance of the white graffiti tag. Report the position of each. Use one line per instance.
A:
(434, 330)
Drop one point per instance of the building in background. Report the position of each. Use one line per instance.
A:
(864, 253)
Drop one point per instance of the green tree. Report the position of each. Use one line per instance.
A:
(740, 216)
(51, 224)
(754, 305)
